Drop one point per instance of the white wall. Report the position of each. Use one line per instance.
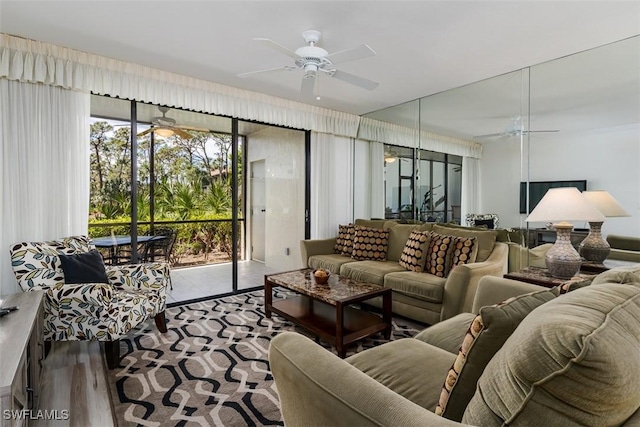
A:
(283, 152)
(608, 160)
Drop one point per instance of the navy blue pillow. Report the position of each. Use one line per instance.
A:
(86, 267)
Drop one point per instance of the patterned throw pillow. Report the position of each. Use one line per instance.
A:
(437, 255)
(464, 251)
(487, 333)
(344, 241)
(370, 243)
(414, 253)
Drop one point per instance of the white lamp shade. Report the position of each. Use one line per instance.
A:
(564, 204)
(605, 203)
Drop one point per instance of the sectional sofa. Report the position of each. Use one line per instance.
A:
(422, 296)
(538, 358)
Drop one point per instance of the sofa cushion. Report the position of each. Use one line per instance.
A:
(463, 251)
(572, 361)
(485, 335)
(414, 254)
(344, 240)
(438, 254)
(398, 236)
(369, 271)
(486, 239)
(370, 243)
(373, 223)
(331, 262)
(407, 366)
(618, 275)
(449, 333)
(422, 286)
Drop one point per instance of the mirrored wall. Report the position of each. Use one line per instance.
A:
(576, 118)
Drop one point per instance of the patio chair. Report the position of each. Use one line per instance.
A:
(162, 248)
(86, 300)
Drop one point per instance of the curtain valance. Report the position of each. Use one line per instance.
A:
(389, 133)
(37, 62)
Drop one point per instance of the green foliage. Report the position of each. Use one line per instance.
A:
(191, 183)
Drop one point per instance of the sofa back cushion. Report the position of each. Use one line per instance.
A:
(572, 361)
(398, 236)
(486, 334)
(486, 239)
(37, 265)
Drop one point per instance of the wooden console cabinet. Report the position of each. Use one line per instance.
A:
(21, 354)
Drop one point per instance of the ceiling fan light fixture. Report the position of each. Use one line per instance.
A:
(164, 132)
(389, 159)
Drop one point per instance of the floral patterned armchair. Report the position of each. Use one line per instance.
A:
(91, 311)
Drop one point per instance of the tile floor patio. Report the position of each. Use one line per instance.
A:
(191, 283)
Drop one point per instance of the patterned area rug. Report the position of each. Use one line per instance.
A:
(211, 367)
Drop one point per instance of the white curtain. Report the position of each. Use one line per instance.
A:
(44, 168)
(470, 202)
(331, 184)
(376, 165)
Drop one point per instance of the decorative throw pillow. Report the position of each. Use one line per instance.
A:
(464, 251)
(487, 333)
(85, 267)
(344, 241)
(414, 254)
(438, 254)
(370, 243)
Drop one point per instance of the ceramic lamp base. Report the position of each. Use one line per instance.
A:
(562, 260)
(594, 247)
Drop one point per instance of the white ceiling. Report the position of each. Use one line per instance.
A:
(423, 47)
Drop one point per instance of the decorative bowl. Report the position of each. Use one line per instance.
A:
(321, 276)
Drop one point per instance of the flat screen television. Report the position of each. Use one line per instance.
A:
(537, 190)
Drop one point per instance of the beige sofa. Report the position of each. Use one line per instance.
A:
(624, 248)
(539, 359)
(420, 296)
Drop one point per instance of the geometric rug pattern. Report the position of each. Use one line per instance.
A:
(211, 367)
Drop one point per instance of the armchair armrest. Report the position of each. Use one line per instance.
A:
(62, 297)
(309, 248)
(318, 388)
(146, 276)
(460, 287)
(494, 290)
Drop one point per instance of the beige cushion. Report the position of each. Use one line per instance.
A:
(448, 334)
(414, 253)
(618, 275)
(331, 262)
(369, 271)
(572, 361)
(422, 286)
(485, 335)
(370, 243)
(407, 366)
(486, 239)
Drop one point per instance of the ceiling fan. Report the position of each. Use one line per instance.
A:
(166, 126)
(515, 129)
(314, 60)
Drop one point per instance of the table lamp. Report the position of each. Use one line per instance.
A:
(594, 247)
(560, 205)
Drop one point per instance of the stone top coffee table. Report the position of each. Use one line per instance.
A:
(325, 310)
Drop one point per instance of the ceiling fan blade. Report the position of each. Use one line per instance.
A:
(278, 47)
(541, 131)
(362, 51)
(354, 80)
(268, 70)
(488, 135)
(144, 132)
(193, 128)
(181, 133)
(308, 85)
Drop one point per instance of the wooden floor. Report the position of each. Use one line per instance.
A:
(74, 379)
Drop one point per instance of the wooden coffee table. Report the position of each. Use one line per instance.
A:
(325, 310)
